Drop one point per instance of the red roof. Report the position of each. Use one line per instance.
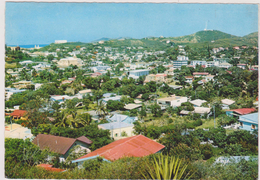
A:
(137, 146)
(18, 113)
(243, 111)
(84, 139)
(96, 74)
(229, 72)
(161, 75)
(50, 168)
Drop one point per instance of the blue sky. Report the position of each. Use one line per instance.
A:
(43, 23)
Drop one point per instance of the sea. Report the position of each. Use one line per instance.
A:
(29, 46)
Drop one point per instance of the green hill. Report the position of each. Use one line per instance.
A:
(202, 36)
(200, 39)
(251, 35)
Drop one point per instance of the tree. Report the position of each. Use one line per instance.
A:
(114, 105)
(142, 112)
(161, 69)
(23, 151)
(156, 110)
(145, 97)
(101, 109)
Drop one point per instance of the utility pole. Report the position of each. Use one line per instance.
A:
(11, 121)
(214, 116)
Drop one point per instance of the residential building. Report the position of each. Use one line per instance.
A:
(197, 102)
(17, 131)
(49, 167)
(61, 145)
(226, 103)
(174, 101)
(242, 66)
(22, 84)
(239, 112)
(132, 106)
(60, 41)
(116, 98)
(198, 62)
(179, 63)
(200, 74)
(19, 114)
(156, 77)
(138, 73)
(121, 118)
(85, 92)
(189, 79)
(117, 128)
(96, 74)
(182, 58)
(135, 146)
(249, 122)
(225, 65)
(65, 62)
(10, 91)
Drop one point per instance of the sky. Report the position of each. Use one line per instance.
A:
(43, 23)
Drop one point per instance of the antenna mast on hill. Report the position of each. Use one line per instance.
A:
(206, 26)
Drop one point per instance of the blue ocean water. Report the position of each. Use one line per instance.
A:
(29, 46)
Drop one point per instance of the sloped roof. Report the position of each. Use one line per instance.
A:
(132, 106)
(243, 110)
(198, 102)
(200, 73)
(253, 118)
(137, 146)
(201, 110)
(50, 168)
(18, 113)
(84, 139)
(56, 144)
(115, 125)
(227, 101)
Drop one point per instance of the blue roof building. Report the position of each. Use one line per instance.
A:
(121, 118)
(249, 122)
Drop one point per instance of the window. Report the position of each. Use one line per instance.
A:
(241, 124)
(253, 126)
(116, 134)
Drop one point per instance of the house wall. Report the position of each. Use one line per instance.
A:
(115, 133)
(247, 126)
(177, 102)
(83, 146)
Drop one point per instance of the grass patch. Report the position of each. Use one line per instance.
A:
(208, 123)
(10, 65)
(172, 83)
(163, 95)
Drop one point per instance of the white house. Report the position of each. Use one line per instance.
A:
(173, 101)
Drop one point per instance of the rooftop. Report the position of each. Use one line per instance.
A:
(137, 146)
(227, 101)
(243, 111)
(57, 144)
(250, 118)
(172, 98)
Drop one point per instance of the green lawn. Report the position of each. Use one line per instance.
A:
(10, 65)
(207, 124)
(172, 83)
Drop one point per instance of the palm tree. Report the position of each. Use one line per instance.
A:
(101, 109)
(62, 120)
(208, 86)
(81, 120)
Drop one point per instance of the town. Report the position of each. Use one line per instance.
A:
(107, 108)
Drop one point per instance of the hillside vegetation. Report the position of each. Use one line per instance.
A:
(200, 39)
